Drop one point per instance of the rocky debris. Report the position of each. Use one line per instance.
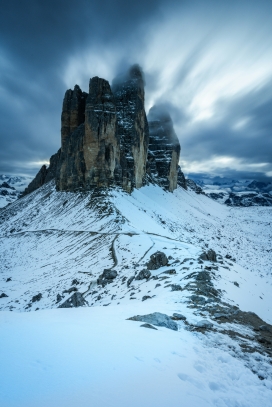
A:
(130, 280)
(132, 127)
(157, 260)
(143, 274)
(76, 300)
(59, 298)
(192, 186)
(146, 297)
(163, 149)
(148, 326)
(70, 290)
(204, 324)
(157, 285)
(176, 287)
(210, 255)
(106, 277)
(171, 272)
(178, 317)
(246, 200)
(3, 295)
(264, 328)
(75, 282)
(203, 276)
(8, 279)
(37, 297)
(157, 319)
(235, 283)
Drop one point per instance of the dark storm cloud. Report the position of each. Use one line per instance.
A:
(191, 53)
(37, 39)
(242, 130)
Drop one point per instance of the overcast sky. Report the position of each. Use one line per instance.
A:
(209, 62)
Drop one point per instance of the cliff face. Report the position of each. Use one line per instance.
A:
(107, 141)
(132, 127)
(164, 149)
(73, 112)
(100, 145)
(90, 153)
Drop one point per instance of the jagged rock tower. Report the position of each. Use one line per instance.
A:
(106, 140)
(164, 149)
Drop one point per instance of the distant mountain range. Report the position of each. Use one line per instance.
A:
(11, 188)
(235, 192)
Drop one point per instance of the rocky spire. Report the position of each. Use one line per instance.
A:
(73, 112)
(164, 149)
(133, 131)
(90, 154)
(100, 145)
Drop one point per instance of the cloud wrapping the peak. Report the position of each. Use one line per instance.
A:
(208, 62)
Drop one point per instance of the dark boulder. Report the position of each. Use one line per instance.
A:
(157, 319)
(157, 260)
(144, 274)
(106, 277)
(76, 300)
(37, 297)
(210, 255)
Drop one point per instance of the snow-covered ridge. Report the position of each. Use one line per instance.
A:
(53, 244)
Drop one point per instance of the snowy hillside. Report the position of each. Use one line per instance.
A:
(10, 188)
(235, 192)
(54, 245)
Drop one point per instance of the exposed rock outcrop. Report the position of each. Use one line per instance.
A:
(90, 154)
(105, 140)
(164, 149)
(133, 129)
(73, 112)
(44, 175)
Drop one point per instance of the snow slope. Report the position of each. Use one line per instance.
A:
(50, 239)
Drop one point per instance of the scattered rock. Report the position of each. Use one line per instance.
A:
(144, 274)
(36, 297)
(148, 326)
(176, 287)
(235, 283)
(75, 282)
(156, 319)
(106, 277)
(8, 279)
(203, 276)
(210, 255)
(146, 297)
(172, 271)
(157, 285)
(3, 295)
(130, 280)
(70, 290)
(59, 298)
(178, 317)
(157, 260)
(76, 300)
(264, 328)
(204, 324)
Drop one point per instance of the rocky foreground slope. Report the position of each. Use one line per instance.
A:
(205, 267)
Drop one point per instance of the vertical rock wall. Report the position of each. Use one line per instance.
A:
(73, 112)
(132, 127)
(100, 145)
(164, 149)
(106, 139)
